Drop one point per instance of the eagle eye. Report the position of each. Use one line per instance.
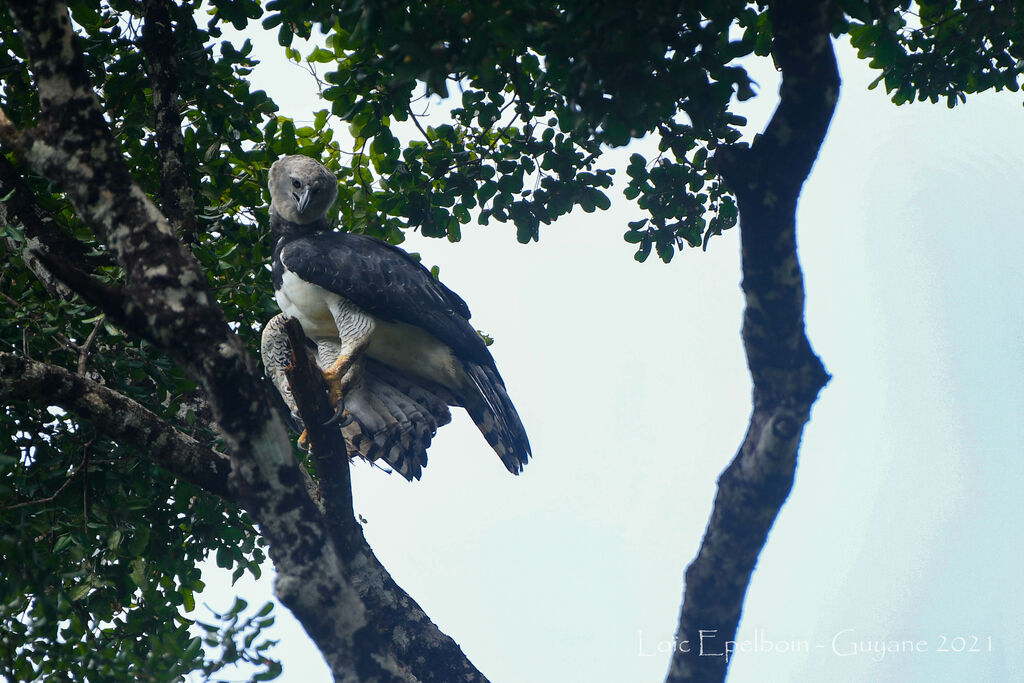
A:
(296, 184)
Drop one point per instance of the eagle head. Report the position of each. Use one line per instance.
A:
(301, 189)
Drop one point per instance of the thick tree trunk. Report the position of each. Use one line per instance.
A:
(367, 627)
(787, 376)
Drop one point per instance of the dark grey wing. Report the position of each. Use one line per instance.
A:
(386, 282)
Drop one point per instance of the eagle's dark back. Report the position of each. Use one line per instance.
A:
(384, 281)
(387, 283)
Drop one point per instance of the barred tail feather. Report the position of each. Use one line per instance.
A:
(380, 430)
(496, 417)
(392, 419)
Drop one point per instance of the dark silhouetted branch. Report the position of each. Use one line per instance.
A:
(179, 204)
(767, 178)
(326, 443)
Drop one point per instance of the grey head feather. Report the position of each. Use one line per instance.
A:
(301, 189)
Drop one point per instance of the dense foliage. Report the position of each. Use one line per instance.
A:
(455, 111)
(99, 545)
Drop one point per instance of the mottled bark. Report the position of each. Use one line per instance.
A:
(399, 634)
(178, 202)
(327, 445)
(400, 630)
(767, 178)
(43, 237)
(367, 628)
(73, 147)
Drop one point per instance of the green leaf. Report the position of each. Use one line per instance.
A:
(138, 573)
(453, 229)
(237, 608)
(320, 55)
(486, 191)
(287, 135)
(273, 671)
(63, 542)
(284, 36)
(79, 592)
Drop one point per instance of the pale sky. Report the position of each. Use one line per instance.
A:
(904, 523)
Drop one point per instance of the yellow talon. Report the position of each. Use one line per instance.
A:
(333, 376)
(334, 391)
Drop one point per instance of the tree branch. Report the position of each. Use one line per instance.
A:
(118, 417)
(73, 147)
(157, 43)
(326, 442)
(43, 235)
(83, 350)
(767, 178)
(59, 261)
(397, 628)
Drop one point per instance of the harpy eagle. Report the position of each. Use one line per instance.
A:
(395, 345)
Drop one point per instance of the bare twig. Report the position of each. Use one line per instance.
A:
(52, 497)
(416, 122)
(85, 486)
(83, 350)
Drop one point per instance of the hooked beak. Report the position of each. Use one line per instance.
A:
(301, 200)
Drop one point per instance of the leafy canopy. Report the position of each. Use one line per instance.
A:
(100, 546)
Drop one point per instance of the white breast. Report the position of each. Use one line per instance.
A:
(404, 346)
(309, 303)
